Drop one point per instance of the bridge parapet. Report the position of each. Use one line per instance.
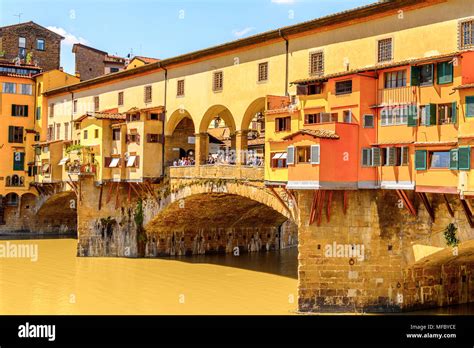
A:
(245, 173)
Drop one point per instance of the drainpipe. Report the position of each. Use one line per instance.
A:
(163, 124)
(72, 117)
(287, 45)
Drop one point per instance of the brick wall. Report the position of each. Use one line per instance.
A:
(48, 59)
(89, 63)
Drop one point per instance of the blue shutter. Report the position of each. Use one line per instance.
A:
(290, 155)
(412, 116)
(454, 117)
(445, 73)
(431, 114)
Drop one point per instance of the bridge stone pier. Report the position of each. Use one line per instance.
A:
(359, 251)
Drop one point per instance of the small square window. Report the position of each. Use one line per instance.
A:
(368, 121)
(40, 45)
(96, 103)
(385, 50)
(316, 63)
(21, 42)
(218, 81)
(148, 94)
(180, 88)
(263, 72)
(120, 99)
(466, 34)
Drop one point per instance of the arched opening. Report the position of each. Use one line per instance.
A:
(252, 142)
(238, 228)
(58, 215)
(217, 135)
(180, 139)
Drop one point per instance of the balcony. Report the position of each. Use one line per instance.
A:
(88, 169)
(399, 95)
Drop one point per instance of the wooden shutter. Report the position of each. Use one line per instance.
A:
(376, 157)
(454, 118)
(13, 110)
(301, 90)
(11, 134)
(412, 116)
(445, 73)
(392, 156)
(19, 161)
(26, 111)
(315, 155)
(107, 161)
(405, 155)
(453, 159)
(470, 106)
(420, 159)
(290, 155)
(415, 76)
(464, 158)
(430, 110)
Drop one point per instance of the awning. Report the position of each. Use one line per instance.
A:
(131, 161)
(45, 168)
(63, 161)
(114, 162)
(284, 155)
(277, 156)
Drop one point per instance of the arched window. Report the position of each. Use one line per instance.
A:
(9, 181)
(15, 180)
(22, 180)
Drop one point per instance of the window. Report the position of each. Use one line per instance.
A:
(303, 154)
(385, 50)
(218, 81)
(344, 87)
(263, 72)
(347, 116)
(96, 103)
(278, 160)
(133, 138)
(290, 155)
(19, 161)
(50, 133)
(180, 88)
(470, 106)
(20, 110)
(21, 42)
(133, 117)
(367, 158)
(422, 75)
(445, 73)
(464, 158)
(58, 131)
(316, 63)
(157, 117)
(15, 134)
(395, 156)
(315, 154)
(85, 134)
(396, 115)
(96, 133)
(148, 94)
(51, 110)
(9, 87)
(116, 134)
(315, 89)
(467, 34)
(112, 70)
(153, 138)
(446, 113)
(322, 117)
(396, 79)
(404, 156)
(368, 121)
(40, 44)
(120, 99)
(440, 159)
(74, 106)
(66, 130)
(26, 89)
(38, 113)
(282, 124)
(37, 137)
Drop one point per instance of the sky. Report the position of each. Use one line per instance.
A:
(162, 28)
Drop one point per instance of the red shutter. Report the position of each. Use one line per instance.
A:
(107, 161)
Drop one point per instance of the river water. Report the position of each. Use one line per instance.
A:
(60, 283)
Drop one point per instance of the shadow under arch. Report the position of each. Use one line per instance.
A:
(175, 118)
(58, 213)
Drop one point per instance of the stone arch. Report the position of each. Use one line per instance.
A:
(57, 213)
(217, 110)
(256, 106)
(194, 220)
(176, 117)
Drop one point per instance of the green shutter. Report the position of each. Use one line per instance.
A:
(420, 159)
(453, 160)
(290, 155)
(11, 132)
(26, 111)
(445, 73)
(464, 158)
(412, 116)
(469, 106)
(431, 112)
(454, 118)
(19, 161)
(415, 75)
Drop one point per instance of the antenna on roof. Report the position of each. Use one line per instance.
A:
(19, 17)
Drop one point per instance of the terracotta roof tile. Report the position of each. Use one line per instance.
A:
(317, 133)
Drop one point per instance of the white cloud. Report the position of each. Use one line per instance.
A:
(240, 33)
(285, 2)
(69, 39)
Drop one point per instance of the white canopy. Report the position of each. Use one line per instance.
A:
(284, 155)
(131, 161)
(63, 161)
(114, 162)
(277, 156)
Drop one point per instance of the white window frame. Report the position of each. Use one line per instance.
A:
(319, 154)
